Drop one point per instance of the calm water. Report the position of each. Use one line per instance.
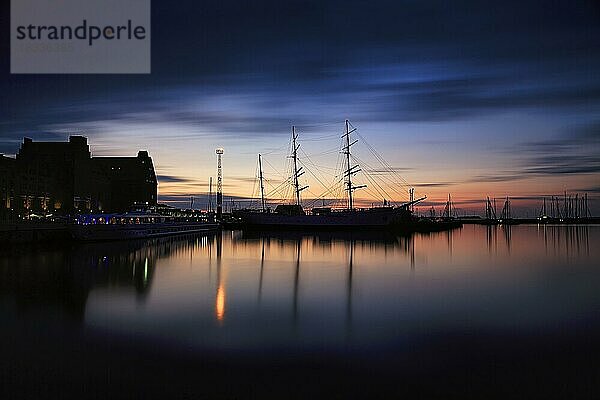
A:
(239, 292)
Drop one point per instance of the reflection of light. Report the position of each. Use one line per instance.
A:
(220, 304)
(146, 270)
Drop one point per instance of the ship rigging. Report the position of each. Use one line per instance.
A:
(381, 182)
(292, 214)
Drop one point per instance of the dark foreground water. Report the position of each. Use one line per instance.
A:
(478, 311)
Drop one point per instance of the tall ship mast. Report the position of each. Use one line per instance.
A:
(350, 169)
(297, 171)
(262, 185)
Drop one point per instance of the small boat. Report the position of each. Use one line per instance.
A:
(137, 225)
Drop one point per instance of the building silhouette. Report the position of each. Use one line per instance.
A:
(63, 178)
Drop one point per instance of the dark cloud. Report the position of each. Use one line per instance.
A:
(265, 43)
(251, 69)
(385, 171)
(433, 184)
(10, 144)
(563, 164)
(499, 177)
(593, 189)
(201, 200)
(442, 203)
(439, 104)
(173, 179)
(575, 152)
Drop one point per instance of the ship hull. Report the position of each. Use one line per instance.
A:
(103, 232)
(368, 219)
(388, 220)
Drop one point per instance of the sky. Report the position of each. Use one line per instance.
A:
(465, 97)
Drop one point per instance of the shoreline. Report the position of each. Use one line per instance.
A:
(24, 233)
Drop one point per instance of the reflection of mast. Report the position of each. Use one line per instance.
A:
(412, 252)
(349, 289)
(545, 238)
(507, 236)
(220, 298)
(490, 237)
(296, 279)
(142, 274)
(262, 264)
(449, 237)
(220, 303)
(586, 235)
(210, 244)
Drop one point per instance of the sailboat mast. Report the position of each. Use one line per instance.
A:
(262, 187)
(350, 169)
(297, 171)
(348, 172)
(295, 158)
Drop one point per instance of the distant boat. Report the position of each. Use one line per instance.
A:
(293, 216)
(137, 225)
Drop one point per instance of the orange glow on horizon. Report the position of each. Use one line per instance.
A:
(468, 182)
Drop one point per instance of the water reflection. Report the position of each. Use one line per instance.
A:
(349, 287)
(64, 277)
(492, 234)
(279, 288)
(296, 280)
(507, 236)
(220, 297)
(262, 269)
